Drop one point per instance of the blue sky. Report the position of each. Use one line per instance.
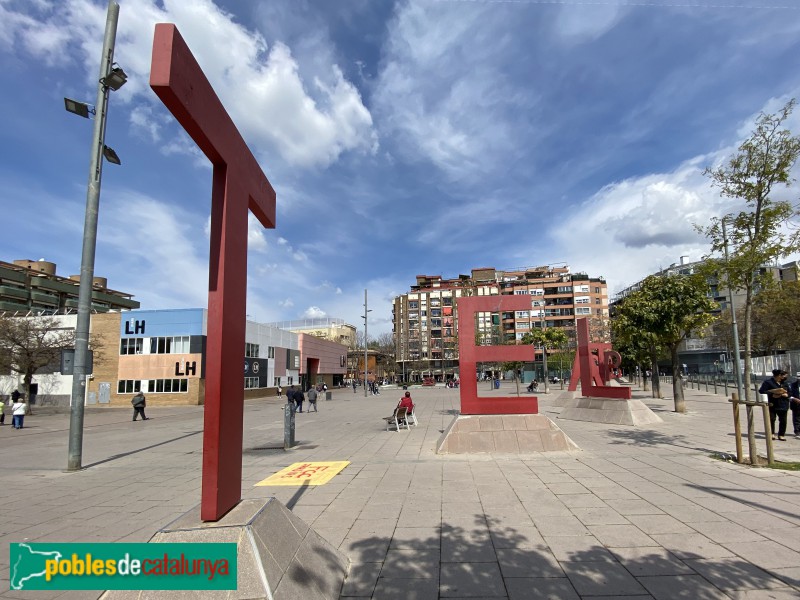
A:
(402, 138)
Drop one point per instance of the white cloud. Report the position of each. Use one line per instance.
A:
(307, 122)
(314, 312)
(586, 23)
(440, 90)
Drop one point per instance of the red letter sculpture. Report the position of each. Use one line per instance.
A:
(238, 184)
(469, 355)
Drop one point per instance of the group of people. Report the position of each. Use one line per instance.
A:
(296, 398)
(782, 397)
(18, 410)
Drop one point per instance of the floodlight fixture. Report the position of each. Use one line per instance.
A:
(111, 156)
(115, 79)
(78, 108)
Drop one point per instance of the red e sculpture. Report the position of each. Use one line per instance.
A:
(238, 185)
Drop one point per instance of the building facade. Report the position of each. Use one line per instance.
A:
(699, 352)
(163, 352)
(32, 287)
(425, 320)
(326, 328)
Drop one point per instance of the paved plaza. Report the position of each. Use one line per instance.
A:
(636, 513)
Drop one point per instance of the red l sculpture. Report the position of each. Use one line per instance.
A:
(238, 185)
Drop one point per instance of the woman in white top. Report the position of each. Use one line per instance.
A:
(18, 412)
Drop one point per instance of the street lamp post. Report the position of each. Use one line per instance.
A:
(110, 78)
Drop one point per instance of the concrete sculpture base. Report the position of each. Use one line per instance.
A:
(609, 410)
(510, 434)
(279, 556)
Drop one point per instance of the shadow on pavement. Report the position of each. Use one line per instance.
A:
(124, 454)
(488, 559)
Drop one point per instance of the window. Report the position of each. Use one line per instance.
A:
(129, 386)
(523, 325)
(276, 381)
(523, 314)
(250, 383)
(167, 386)
(169, 345)
(271, 352)
(290, 381)
(583, 310)
(251, 350)
(582, 289)
(597, 290)
(597, 300)
(413, 305)
(520, 292)
(581, 299)
(131, 345)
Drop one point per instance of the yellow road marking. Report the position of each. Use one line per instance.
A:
(306, 473)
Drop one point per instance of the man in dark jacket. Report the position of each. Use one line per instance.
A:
(794, 393)
(299, 398)
(777, 391)
(139, 404)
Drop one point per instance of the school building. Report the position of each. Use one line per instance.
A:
(163, 352)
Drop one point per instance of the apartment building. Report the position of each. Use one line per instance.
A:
(32, 286)
(425, 320)
(326, 328)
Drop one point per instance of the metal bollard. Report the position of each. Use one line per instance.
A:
(288, 426)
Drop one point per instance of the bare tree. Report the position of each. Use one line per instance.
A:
(32, 343)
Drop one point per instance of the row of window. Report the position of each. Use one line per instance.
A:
(157, 345)
(154, 386)
(177, 345)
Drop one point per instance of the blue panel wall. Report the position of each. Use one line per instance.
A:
(154, 323)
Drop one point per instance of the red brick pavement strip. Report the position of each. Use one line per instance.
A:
(642, 511)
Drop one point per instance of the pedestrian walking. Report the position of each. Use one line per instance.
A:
(280, 391)
(18, 411)
(794, 405)
(354, 385)
(139, 402)
(777, 391)
(298, 399)
(312, 398)
(2, 412)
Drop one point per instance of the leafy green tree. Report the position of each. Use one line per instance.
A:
(548, 337)
(762, 231)
(665, 310)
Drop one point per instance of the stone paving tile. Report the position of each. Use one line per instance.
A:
(406, 589)
(579, 548)
(528, 562)
(582, 501)
(690, 587)
(771, 594)
(526, 536)
(599, 516)
(560, 525)
(601, 579)
(412, 564)
(415, 538)
(532, 588)
(650, 561)
(722, 532)
(767, 555)
(470, 580)
(361, 580)
(621, 536)
(686, 546)
(652, 524)
(734, 574)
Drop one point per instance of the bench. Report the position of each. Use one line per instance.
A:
(398, 419)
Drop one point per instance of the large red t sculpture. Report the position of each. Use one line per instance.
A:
(238, 184)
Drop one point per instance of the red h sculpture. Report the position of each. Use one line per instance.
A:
(238, 184)
(592, 366)
(469, 355)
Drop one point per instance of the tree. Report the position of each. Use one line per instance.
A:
(761, 232)
(666, 309)
(32, 343)
(547, 337)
